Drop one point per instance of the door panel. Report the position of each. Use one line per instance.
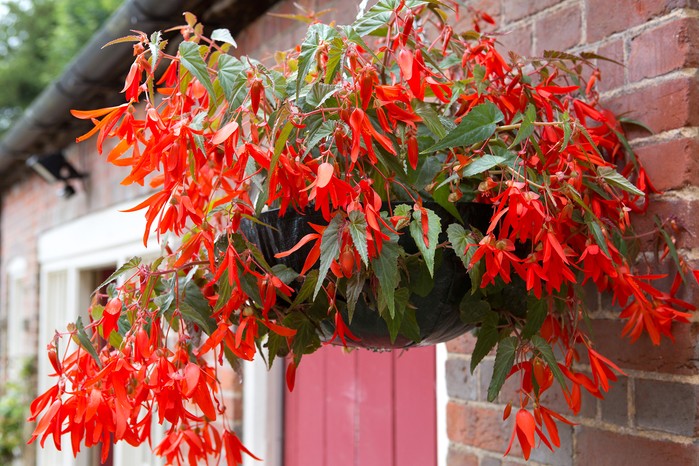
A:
(362, 409)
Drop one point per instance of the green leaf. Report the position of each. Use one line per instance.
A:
(567, 131)
(279, 145)
(194, 307)
(421, 283)
(596, 230)
(487, 338)
(306, 340)
(394, 322)
(130, 265)
(477, 126)
(84, 341)
(329, 249)
(527, 127)
(482, 164)
(355, 285)
(614, 178)
(479, 78)
(434, 228)
(191, 59)
(316, 34)
(335, 53)
(441, 197)
(459, 238)
(307, 288)
(316, 134)
(284, 273)
(357, 228)
(473, 309)
(504, 360)
(537, 310)
(547, 353)
(430, 118)
(409, 326)
(319, 93)
(154, 46)
(232, 77)
(386, 269)
(223, 35)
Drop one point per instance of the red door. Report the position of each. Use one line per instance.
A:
(362, 409)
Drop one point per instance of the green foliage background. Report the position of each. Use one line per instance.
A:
(37, 39)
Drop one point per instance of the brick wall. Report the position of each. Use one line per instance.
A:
(651, 416)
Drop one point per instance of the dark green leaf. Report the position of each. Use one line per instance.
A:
(567, 131)
(614, 178)
(487, 338)
(316, 134)
(504, 360)
(329, 249)
(395, 321)
(482, 164)
(355, 285)
(284, 273)
(477, 126)
(537, 310)
(596, 230)
(430, 118)
(441, 197)
(473, 309)
(307, 288)
(191, 59)
(409, 326)
(85, 342)
(232, 77)
(357, 228)
(194, 307)
(421, 283)
(527, 127)
(386, 269)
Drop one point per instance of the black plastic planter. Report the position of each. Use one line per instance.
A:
(437, 313)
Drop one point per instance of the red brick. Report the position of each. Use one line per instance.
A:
(604, 448)
(663, 106)
(463, 344)
(605, 18)
(666, 406)
(518, 40)
(666, 48)
(671, 164)
(481, 427)
(615, 403)
(514, 10)
(612, 74)
(559, 30)
(457, 457)
(680, 357)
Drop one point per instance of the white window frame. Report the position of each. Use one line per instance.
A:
(106, 238)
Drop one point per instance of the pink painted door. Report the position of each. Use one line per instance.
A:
(362, 409)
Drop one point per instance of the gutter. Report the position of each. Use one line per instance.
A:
(89, 80)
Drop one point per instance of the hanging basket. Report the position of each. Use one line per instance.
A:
(437, 312)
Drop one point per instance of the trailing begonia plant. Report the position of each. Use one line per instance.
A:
(374, 135)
